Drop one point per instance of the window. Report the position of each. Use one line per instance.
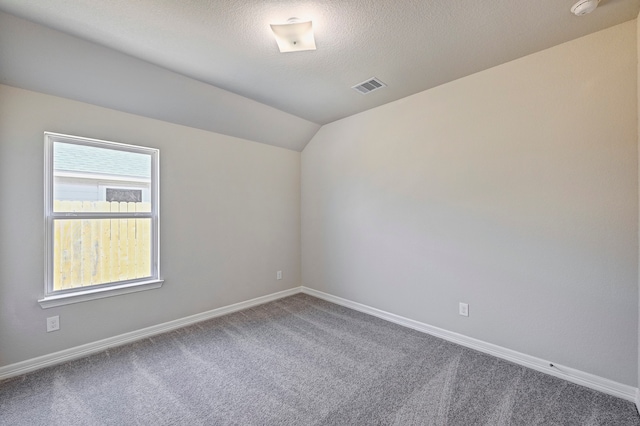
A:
(101, 219)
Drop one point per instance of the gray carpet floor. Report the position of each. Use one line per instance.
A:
(300, 361)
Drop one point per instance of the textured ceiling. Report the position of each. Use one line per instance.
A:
(410, 45)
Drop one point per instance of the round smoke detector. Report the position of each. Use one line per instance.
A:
(582, 7)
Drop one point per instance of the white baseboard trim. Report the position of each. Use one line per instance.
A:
(572, 375)
(589, 380)
(94, 347)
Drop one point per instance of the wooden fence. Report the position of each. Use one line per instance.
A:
(97, 251)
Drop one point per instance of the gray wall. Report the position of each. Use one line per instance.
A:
(230, 218)
(514, 190)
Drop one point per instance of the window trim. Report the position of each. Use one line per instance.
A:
(53, 298)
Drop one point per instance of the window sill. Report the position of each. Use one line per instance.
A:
(98, 293)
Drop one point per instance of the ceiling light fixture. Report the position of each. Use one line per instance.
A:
(294, 36)
(582, 7)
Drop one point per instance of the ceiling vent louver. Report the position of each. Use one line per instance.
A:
(369, 86)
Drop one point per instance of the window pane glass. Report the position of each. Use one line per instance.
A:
(96, 251)
(88, 174)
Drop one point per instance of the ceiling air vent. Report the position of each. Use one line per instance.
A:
(369, 86)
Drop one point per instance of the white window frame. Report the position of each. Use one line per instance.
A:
(63, 297)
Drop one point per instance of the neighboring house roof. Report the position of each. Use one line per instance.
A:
(88, 159)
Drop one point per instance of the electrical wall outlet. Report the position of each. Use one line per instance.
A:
(53, 323)
(279, 275)
(463, 309)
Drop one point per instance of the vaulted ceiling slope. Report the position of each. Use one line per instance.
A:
(37, 58)
(411, 45)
